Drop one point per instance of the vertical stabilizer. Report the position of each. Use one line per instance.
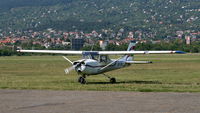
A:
(131, 47)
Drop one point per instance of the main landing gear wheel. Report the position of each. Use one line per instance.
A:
(112, 80)
(81, 80)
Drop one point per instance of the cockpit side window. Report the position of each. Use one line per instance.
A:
(103, 58)
(95, 57)
(91, 56)
(86, 57)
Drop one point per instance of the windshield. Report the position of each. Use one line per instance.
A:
(91, 55)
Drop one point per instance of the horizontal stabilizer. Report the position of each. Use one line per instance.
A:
(139, 62)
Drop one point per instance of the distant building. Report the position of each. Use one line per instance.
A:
(77, 44)
(179, 34)
(188, 40)
(103, 44)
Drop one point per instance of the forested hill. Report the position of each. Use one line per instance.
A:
(158, 16)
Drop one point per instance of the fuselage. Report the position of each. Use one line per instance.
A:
(94, 67)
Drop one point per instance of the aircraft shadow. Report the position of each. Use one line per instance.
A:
(128, 82)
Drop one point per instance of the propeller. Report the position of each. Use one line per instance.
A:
(79, 65)
(67, 70)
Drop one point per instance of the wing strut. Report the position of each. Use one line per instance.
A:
(110, 64)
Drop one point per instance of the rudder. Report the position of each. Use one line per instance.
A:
(132, 45)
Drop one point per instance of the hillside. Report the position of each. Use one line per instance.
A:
(161, 17)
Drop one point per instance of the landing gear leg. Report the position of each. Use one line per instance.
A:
(82, 80)
(112, 80)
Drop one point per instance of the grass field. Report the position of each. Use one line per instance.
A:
(168, 73)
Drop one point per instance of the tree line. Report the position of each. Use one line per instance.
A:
(194, 47)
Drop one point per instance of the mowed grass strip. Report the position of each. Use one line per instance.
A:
(168, 73)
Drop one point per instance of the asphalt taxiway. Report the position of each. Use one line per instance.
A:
(45, 101)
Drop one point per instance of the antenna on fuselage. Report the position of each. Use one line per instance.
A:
(92, 47)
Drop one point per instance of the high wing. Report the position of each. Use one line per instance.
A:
(52, 51)
(100, 52)
(137, 52)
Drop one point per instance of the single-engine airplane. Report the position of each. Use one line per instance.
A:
(98, 62)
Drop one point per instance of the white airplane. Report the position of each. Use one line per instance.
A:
(98, 62)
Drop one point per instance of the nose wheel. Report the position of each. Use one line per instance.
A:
(82, 80)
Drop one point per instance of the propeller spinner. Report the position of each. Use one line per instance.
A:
(79, 66)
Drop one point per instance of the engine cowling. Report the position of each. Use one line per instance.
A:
(79, 66)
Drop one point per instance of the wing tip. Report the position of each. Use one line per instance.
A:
(180, 52)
